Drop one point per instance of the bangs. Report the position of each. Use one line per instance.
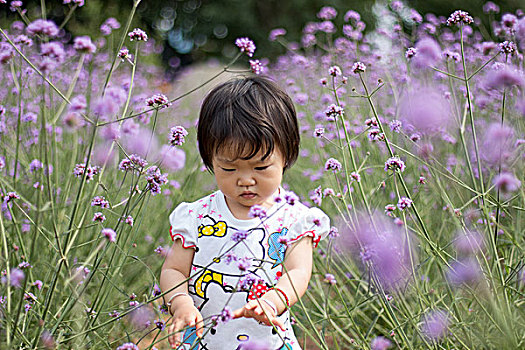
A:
(234, 149)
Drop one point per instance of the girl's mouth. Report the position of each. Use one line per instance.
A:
(248, 195)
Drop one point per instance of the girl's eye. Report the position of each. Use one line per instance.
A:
(262, 167)
(224, 169)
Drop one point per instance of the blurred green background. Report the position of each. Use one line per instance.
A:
(195, 30)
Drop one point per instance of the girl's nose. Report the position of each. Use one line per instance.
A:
(245, 180)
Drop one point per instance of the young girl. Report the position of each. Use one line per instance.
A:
(242, 255)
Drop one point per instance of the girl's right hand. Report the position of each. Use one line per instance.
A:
(185, 315)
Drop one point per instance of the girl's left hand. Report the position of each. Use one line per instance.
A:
(254, 309)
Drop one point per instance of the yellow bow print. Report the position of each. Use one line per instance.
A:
(218, 229)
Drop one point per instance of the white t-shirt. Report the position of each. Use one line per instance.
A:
(207, 226)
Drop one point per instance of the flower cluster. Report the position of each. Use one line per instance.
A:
(404, 203)
(42, 27)
(138, 35)
(256, 67)
(158, 101)
(155, 179)
(245, 45)
(84, 44)
(334, 71)
(333, 165)
(100, 201)
(133, 162)
(177, 134)
(458, 17)
(109, 234)
(257, 211)
(91, 171)
(239, 235)
(358, 67)
(333, 111)
(395, 164)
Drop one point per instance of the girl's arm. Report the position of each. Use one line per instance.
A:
(175, 272)
(294, 282)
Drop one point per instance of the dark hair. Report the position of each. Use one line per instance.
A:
(246, 116)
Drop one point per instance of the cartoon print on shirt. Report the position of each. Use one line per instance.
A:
(275, 248)
(213, 229)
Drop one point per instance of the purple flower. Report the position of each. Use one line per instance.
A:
(333, 165)
(426, 109)
(15, 4)
(333, 111)
(395, 164)
(507, 47)
(404, 203)
(225, 316)
(160, 324)
(469, 243)
(124, 54)
(290, 198)
(466, 271)
(247, 281)
(25, 265)
(243, 264)
(80, 3)
(506, 182)
(395, 125)
(254, 345)
(490, 7)
(109, 234)
(155, 179)
(47, 340)
(128, 346)
(327, 13)
(42, 27)
(134, 162)
(38, 284)
(505, 77)
(172, 158)
(497, 144)
(177, 134)
(90, 172)
(138, 35)
(458, 17)
(380, 343)
(334, 71)
(100, 201)
(257, 211)
(99, 217)
(158, 101)
(84, 44)
(355, 176)
(129, 220)
(329, 279)
(375, 135)
(245, 45)
(35, 165)
(2, 162)
(275, 33)
(256, 66)
(435, 324)
(334, 232)
(16, 277)
(382, 248)
(353, 16)
(141, 317)
(10, 196)
(428, 53)
(319, 132)
(358, 67)
(239, 235)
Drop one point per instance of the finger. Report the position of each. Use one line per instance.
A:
(238, 313)
(199, 324)
(277, 322)
(173, 335)
(251, 305)
(258, 310)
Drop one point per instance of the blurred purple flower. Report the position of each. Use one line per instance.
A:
(172, 158)
(129, 220)
(490, 7)
(382, 247)
(42, 27)
(254, 345)
(380, 343)
(275, 33)
(141, 317)
(507, 47)
(469, 243)
(239, 235)
(505, 77)
(90, 172)
(257, 211)
(327, 13)
(428, 53)
(109, 234)
(466, 271)
(54, 50)
(100, 201)
(329, 279)
(16, 277)
(506, 182)
(158, 101)
(245, 45)
(291, 198)
(435, 324)
(84, 44)
(99, 217)
(425, 109)
(497, 145)
(47, 340)
(128, 346)
(353, 16)
(133, 162)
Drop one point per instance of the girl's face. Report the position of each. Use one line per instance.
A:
(245, 183)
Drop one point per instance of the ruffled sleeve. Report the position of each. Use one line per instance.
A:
(313, 223)
(182, 225)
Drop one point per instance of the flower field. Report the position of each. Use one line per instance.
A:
(413, 140)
